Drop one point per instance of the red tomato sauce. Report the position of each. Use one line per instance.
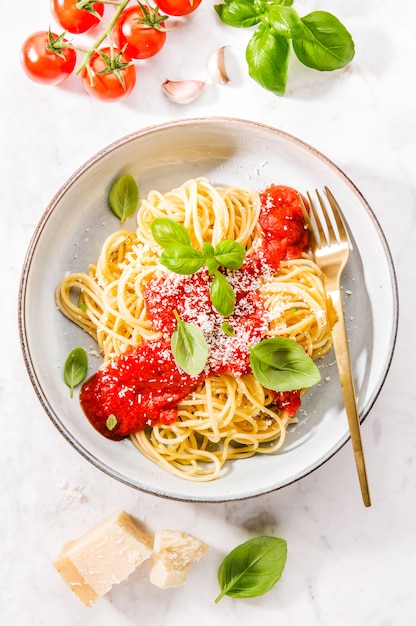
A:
(143, 387)
(283, 225)
(140, 389)
(190, 297)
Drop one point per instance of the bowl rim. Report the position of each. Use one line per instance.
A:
(54, 203)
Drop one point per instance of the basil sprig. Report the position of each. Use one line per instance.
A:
(75, 368)
(189, 347)
(181, 257)
(319, 39)
(124, 197)
(252, 568)
(282, 364)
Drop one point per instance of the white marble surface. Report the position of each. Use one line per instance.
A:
(347, 565)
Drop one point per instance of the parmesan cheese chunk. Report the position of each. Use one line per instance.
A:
(173, 554)
(104, 556)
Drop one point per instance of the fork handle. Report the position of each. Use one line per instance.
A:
(340, 341)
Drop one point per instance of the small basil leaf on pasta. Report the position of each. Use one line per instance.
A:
(167, 231)
(222, 295)
(252, 568)
(189, 347)
(281, 364)
(227, 329)
(111, 422)
(124, 197)
(212, 265)
(230, 254)
(75, 369)
(182, 259)
(207, 249)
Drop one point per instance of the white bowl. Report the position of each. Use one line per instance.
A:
(228, 152)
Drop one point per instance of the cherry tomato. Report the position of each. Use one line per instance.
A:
(140, 32)
(114, 75)
(44, 65)
(178, 7)
(73, 19)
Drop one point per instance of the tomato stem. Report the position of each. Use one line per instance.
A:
(106, 33)
(81, 4)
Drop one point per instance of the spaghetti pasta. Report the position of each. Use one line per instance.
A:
(227, 415)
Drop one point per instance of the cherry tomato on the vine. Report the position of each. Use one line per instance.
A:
(76, 20)
(178, 7)
(113, 75)
(46, 59)
(140, 31)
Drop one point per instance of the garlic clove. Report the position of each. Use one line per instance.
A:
(183, 91)
(216, 67)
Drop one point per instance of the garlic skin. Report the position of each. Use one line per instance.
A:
(216, 67)
(182, 91)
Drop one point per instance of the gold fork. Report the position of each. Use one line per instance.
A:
(330, 247)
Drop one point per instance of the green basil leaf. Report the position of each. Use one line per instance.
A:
(212, 265)
(167, 231)
(227, 329)
(207, 249)
(325, 44)
(189, 347)
(267, 56)
(222, 295)
(283, 365)
(252, 568)
(75, 369)
(182, 259)
(230, 254)
(124, 197)
(284, 20)
(111, 422)
(239, 13)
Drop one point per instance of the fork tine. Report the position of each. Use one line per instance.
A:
(310, 222)
(337, 213)
(325, 224)
(318, 231)
(304, 211)
(330, 234)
